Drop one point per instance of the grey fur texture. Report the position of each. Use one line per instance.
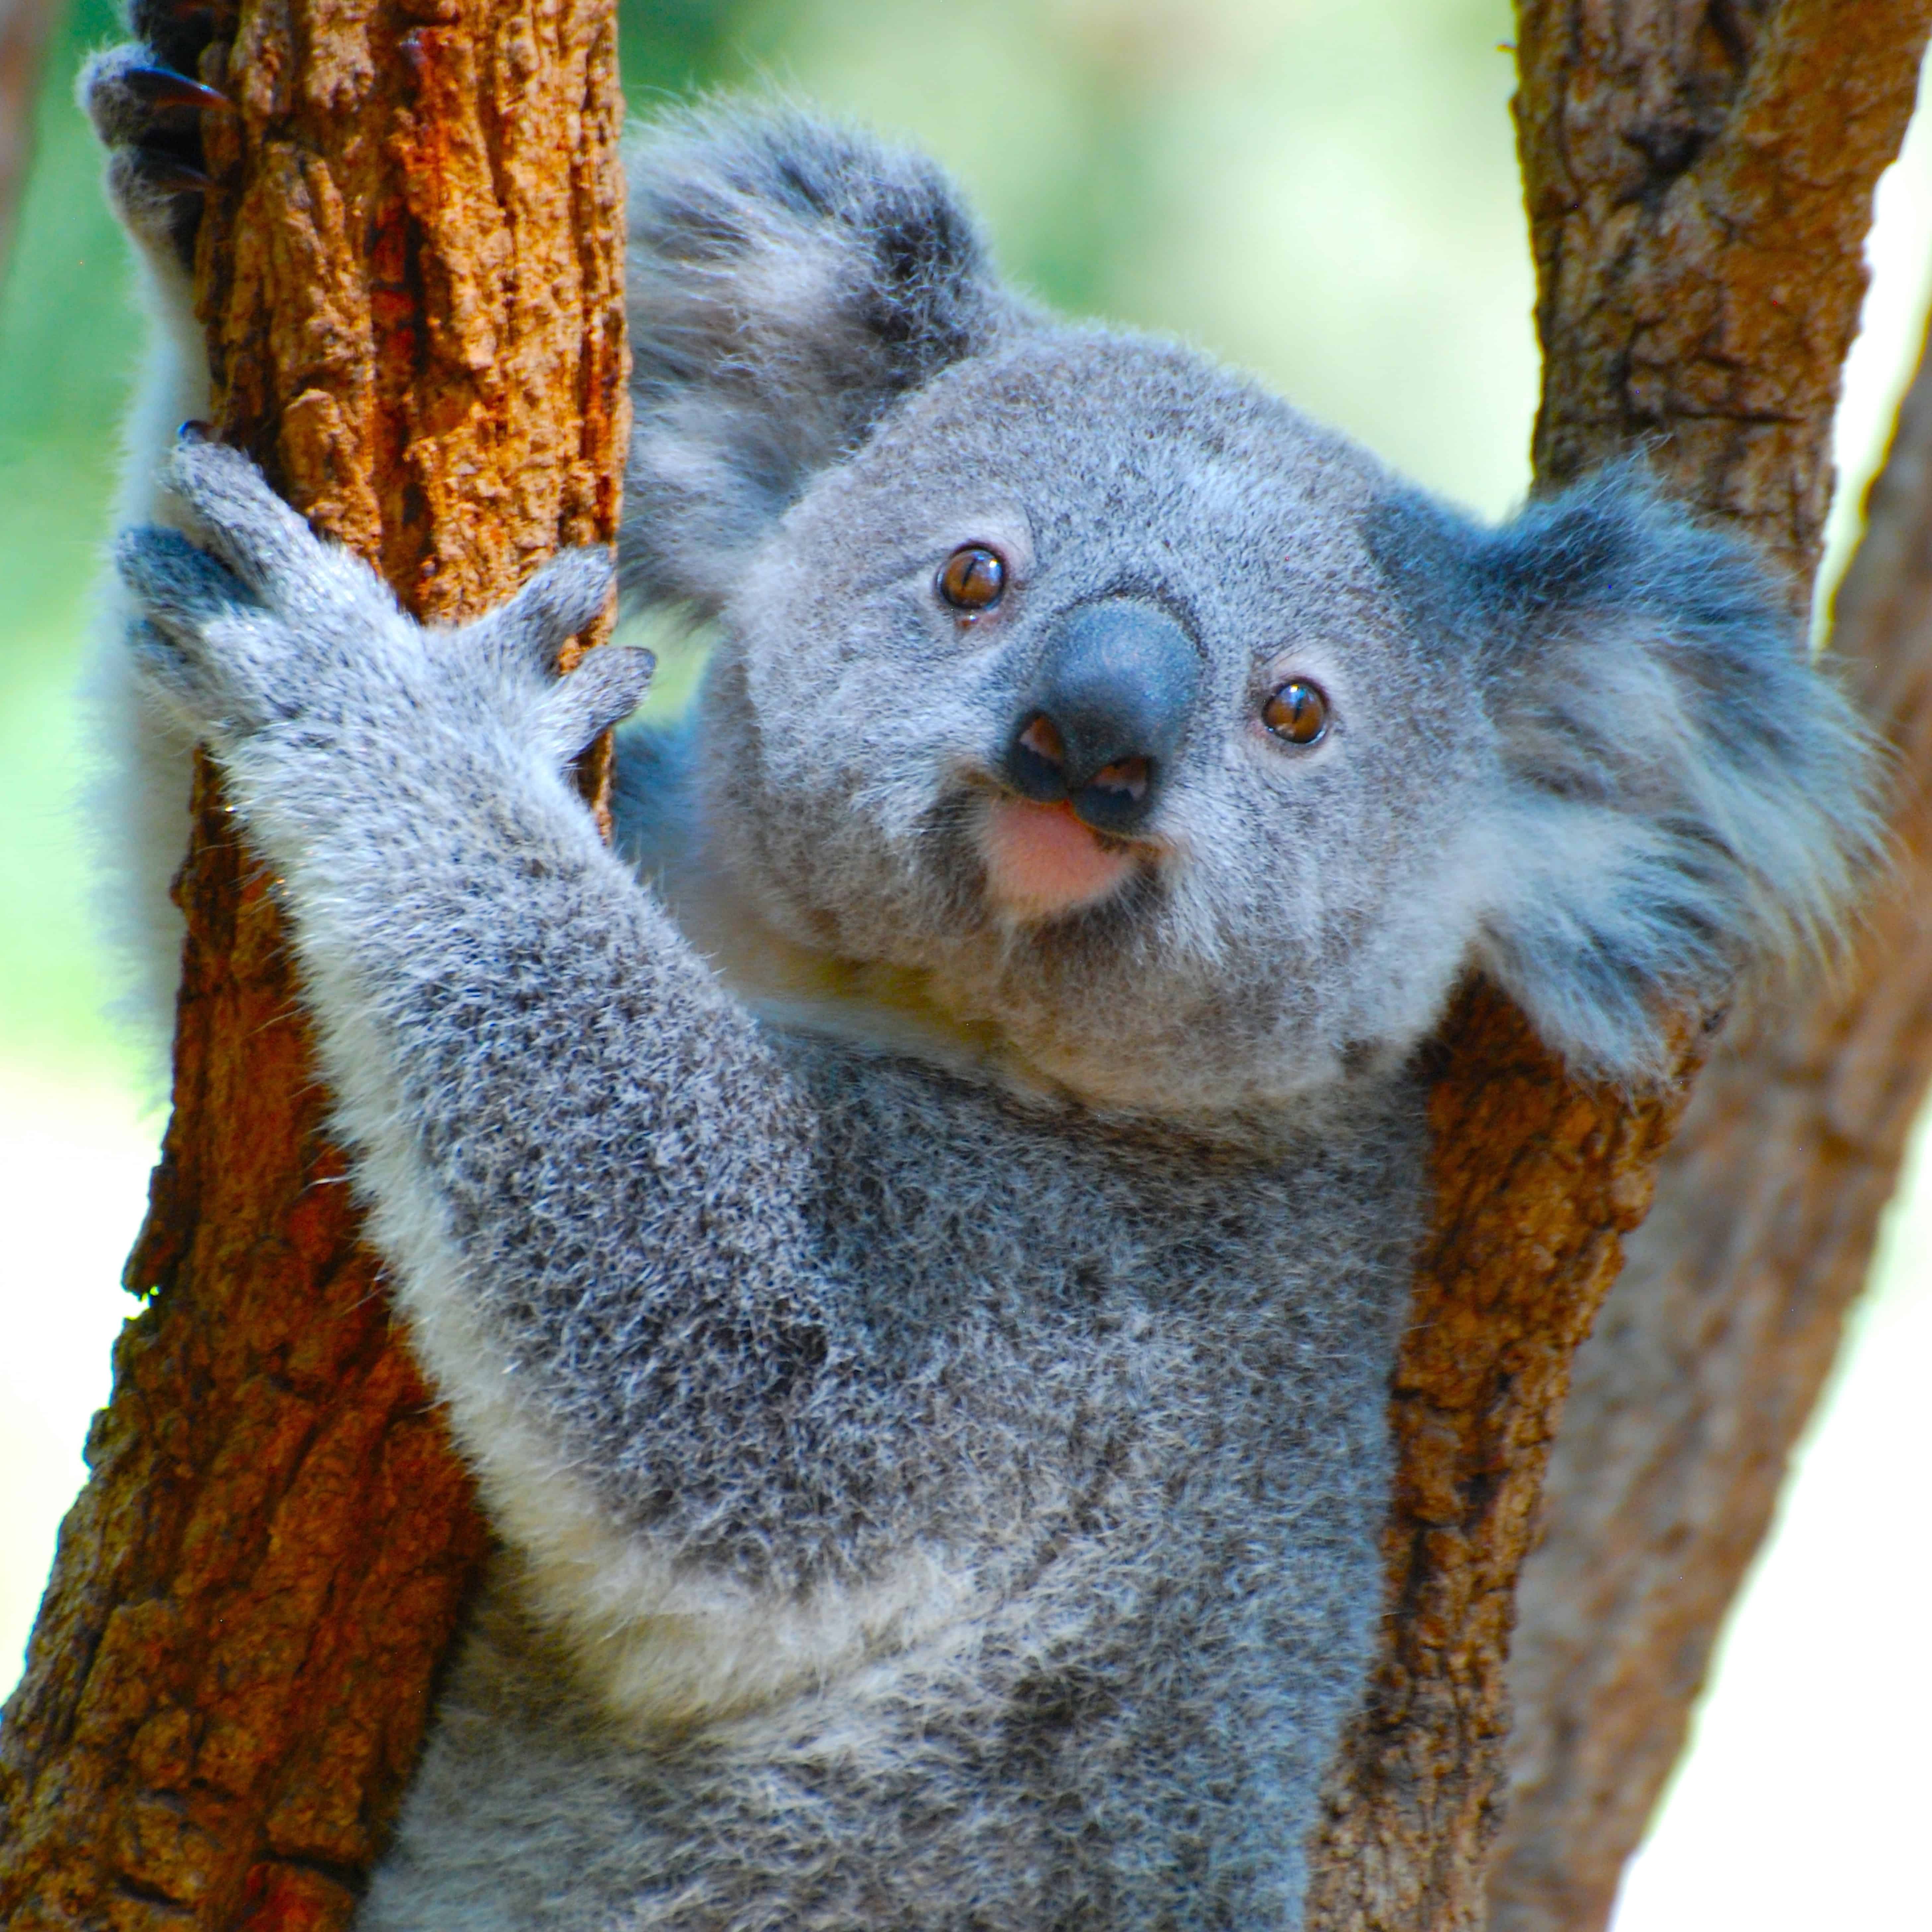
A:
(925, 1358)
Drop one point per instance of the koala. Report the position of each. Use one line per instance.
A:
(913, 1239)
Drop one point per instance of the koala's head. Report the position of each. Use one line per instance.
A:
(1148, 723)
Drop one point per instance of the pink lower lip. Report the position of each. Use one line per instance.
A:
(1041, 861)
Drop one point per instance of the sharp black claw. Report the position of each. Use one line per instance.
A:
(161, 88)
(170, 174)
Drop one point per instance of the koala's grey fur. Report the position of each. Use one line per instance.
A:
(927, 1365)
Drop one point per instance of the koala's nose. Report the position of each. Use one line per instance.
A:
(1105, 714)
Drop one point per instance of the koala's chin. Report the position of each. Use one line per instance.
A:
(1041, 863)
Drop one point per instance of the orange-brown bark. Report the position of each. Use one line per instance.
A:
(1711, 1348)
(1536, 1181)
(1699, 180)
(410, 269)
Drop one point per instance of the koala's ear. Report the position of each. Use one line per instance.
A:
(787, 279)
(1682, 792)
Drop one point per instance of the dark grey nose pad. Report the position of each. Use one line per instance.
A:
(1105, 714)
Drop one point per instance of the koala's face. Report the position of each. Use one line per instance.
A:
(1146, 725)
(1080, 692)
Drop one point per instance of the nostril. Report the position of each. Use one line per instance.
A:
(1113, 797)
(1036, 762)
(1126, 778)
(1043, 739)
(1117, 797)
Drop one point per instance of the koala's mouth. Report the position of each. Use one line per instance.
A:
(1042, 861)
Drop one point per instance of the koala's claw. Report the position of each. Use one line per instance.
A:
(163, 91)
(146, 109)
(150, 173)
(137, 100)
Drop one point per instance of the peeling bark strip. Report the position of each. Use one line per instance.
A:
(1722, 1330)
(1699, 178)
(411, 272)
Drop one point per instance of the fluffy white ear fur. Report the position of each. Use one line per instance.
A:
(787, 279)
(1684, 793)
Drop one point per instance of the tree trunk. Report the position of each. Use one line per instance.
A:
(1698, 180)
(411, 272)
(1712, 1347)
(25, 27)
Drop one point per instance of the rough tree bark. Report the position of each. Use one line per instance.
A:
(1711, 1348)
(25, 27)
(411, 272)
(1699, 178)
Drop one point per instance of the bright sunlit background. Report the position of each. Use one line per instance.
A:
(1326, 194)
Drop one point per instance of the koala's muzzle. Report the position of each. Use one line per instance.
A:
(1104, 714)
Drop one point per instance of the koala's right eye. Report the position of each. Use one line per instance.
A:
(972, 579)
(1298, 712)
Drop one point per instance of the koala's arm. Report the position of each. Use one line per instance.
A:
(144, 107)
(585, 1161)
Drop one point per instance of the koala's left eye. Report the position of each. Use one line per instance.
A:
(973, 579)
(1298, 712)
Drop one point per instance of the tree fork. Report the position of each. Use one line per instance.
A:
(1699, 182)
(410, 267)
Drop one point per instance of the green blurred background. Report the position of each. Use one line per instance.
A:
(1324, 193)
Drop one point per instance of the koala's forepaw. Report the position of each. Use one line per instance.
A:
(562, 601)
(146, 108)
(269, 626)
(215, 640)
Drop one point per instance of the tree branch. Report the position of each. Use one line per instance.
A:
(410, 268)
(1712, 1347)
(1698, 180)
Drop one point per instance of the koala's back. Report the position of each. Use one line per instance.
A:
(1158, 1371)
